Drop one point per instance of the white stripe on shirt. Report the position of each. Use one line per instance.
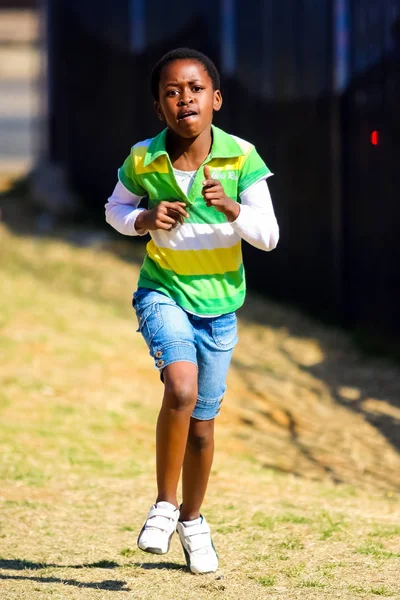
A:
(256, 222)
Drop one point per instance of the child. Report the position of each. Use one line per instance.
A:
(207, 189)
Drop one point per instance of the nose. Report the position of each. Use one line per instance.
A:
(186, 98)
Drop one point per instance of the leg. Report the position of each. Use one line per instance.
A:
(169, 336)
(215, 339)
(180, 395)
(196, 467)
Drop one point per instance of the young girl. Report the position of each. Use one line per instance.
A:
(206, 190)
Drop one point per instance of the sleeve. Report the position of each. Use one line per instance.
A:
(253, 169)
(256, 222)
(129, 179)
(122, 210)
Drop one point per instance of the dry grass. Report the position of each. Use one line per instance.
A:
(78, 402)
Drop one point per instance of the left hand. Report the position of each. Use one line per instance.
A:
(214, 195)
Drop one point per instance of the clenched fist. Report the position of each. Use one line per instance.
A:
(214, 195)
(166, 215)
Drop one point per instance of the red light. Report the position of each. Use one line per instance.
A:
(375, 138)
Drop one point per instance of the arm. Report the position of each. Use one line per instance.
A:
(256, 222)
(122, 210)
(123, 214)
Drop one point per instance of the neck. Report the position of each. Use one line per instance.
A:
(189, 152)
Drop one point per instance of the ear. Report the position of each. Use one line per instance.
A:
(217, 100)
(159, 112)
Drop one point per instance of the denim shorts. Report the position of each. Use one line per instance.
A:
(173, 335)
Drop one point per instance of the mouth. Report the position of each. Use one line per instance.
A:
(187, 114)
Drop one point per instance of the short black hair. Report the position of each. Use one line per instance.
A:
(183, 54)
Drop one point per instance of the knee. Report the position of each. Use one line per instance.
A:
(202, 438)
(181, 394)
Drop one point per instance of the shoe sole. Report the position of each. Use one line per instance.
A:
(151, 550)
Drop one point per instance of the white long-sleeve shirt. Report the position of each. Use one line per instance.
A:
(256, 222)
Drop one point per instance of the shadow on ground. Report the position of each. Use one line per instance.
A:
(111, 585)
(355, 380)
(22, 565)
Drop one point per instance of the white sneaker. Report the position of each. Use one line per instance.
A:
(198, 546)
(160, 525)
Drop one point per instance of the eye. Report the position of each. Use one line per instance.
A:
(171, 93)
(197, 88)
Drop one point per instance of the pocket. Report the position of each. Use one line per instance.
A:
(224, 331)
(150, 321)
(139, 295)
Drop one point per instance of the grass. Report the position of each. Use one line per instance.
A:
(295, 571)
(267, 581)
(292, 543)
(381, 591)
(263, 521)
(386, 532)
(377, 551)
(78, 404)
(309, 583)
(375, 591)
(129, 552)
(330, 524)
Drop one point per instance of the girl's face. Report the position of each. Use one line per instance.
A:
(187, 99)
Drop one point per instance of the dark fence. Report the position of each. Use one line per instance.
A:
(371, 153)
(335, 193)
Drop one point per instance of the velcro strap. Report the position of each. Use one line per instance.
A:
(198, 542)
(196, 530)
(157, 523)
(161, 512)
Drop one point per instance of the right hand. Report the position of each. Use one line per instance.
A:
(166, 215)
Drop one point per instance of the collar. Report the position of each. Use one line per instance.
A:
(223, 146)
